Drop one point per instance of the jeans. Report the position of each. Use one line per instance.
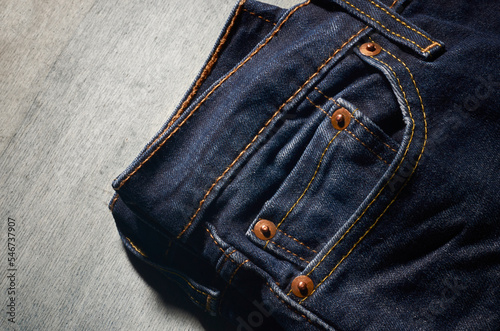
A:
(334, 166)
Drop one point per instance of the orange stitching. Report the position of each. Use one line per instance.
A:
(207, 305)
(224, 261)
(352, 134)
(290, 252)
(312, 179)
(295, 239)
(234, 273)
(394, 3)
(434, 44)
(385, 185)
(406, 25)
(318, 107)
(218, 246)
(406, 182)
(264, 127)
(368, 148)
(385, 28)
(135, 247)
(373, 134)
(290, 307)
(359, 122)
(112, 205)
(254, 14)
(229, 283)
(205, 73)
(208, 95)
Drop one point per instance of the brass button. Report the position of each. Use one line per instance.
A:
(370, 49)
(264, 229)
(341, 119)
(302, 286)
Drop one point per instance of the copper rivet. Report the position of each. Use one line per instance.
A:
(264, 229)
(302, 286)
(370, 49)
(341, 119)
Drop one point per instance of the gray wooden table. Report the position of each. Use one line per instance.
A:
(83, 86)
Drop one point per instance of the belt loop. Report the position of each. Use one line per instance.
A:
(393, 26)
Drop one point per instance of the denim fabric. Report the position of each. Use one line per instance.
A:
(394, 218)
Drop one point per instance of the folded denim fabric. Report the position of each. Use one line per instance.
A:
(334, 166)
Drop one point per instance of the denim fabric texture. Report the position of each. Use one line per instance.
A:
(394, 218)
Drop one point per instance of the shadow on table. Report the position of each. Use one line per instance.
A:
(172, 295)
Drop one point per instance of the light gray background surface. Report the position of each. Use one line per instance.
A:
(83, 86)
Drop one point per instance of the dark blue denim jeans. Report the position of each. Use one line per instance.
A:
(334, 166)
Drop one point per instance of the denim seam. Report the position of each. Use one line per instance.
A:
(298, 241)
(257, 15)
(290, 307)
(383, 187)
(368, 148)
(225, 260)
(218, 246)
(205, 73)
(283, 248)
(310, 181)
(138, 250)
(359, 122)
(425, 50)
(267, 283)
(434, 43)
(223, 80)
(113, 202)
(352, 134)
(229, 283)
(170, 272)
(404, 185)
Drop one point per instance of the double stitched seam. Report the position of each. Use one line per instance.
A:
(205, 98)
(265, 126)
(283, 248)
(218, 246)
(358, 121)
(433, 43)
(253, 140)
(425, 50)
(292, 308)
(352, 134)
(413, 170)
(205, 73)
(310, 181)
(296, 240)
(262, 18)
(225, 259)
(368, 148)
(383, 187)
